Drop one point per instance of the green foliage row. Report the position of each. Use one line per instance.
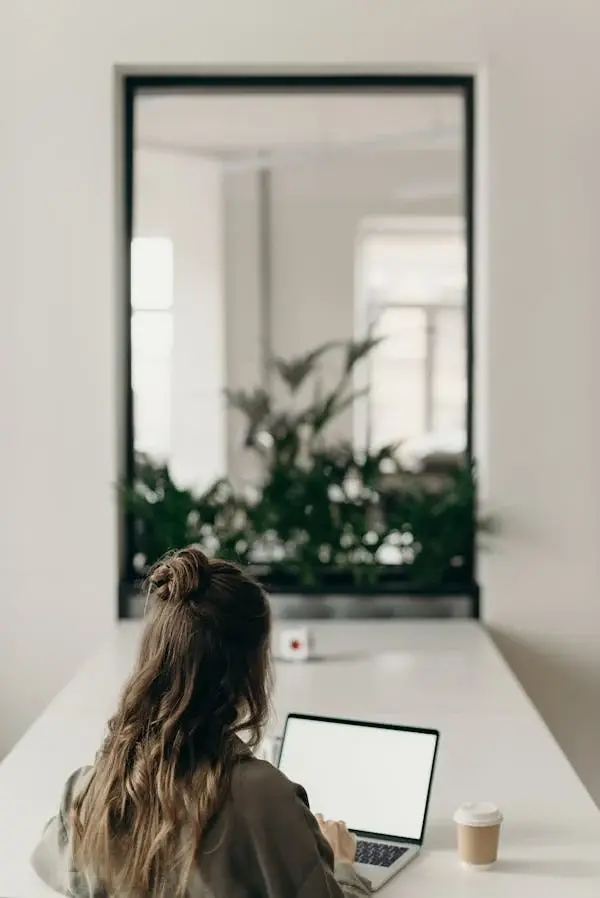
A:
(322, 511)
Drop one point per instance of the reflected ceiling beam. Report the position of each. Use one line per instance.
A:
(430, 139)
(240, 159)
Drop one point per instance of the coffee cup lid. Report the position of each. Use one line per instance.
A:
(478, 813)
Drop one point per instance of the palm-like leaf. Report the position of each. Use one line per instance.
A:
(255, 404)
(359, 349)
(295, 371)
(326, 410)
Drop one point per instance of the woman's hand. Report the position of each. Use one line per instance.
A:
(342, 841)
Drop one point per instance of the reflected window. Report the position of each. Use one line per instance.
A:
(412, 293)
(151, 342)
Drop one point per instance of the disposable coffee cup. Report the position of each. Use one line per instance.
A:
(478, 831)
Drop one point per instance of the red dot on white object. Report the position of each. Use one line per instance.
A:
(295, 644)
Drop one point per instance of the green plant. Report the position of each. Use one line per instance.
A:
(322, 514)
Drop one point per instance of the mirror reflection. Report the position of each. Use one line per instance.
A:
(299, 274)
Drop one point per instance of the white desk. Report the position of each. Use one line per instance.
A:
(441, 674)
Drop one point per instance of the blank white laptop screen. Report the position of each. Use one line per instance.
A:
(375, 779)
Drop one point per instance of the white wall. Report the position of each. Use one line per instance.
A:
(538, 362)
(180, 197)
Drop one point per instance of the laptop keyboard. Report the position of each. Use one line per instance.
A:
(378, 854)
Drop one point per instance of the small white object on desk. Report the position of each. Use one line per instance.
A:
(295, 644)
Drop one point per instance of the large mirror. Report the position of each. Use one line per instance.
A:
(299, 303)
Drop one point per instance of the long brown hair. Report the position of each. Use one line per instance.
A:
(202, 676)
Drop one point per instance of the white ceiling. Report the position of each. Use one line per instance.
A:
(230, 126)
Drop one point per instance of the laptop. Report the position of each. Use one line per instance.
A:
(376, 777)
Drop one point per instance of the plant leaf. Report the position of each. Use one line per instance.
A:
(255, 404)
(295, 371)
(332, 406)
(358, 349)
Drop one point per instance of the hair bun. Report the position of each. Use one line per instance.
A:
(179, 576)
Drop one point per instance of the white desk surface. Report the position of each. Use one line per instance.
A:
(445, 674)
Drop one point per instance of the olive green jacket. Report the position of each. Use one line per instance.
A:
(263, 843)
